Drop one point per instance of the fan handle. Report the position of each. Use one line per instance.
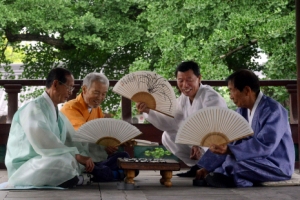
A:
(108, 141)
(218, 139)
(146, 98)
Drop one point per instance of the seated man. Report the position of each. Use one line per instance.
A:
(86, 107)
(194, 96)
(40, 151)
(268, 155)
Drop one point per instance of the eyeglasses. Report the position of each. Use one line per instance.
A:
(70, 88)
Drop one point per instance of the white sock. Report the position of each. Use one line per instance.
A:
(81, 179)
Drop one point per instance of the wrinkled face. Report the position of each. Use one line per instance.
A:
(238, 97)
(64, 90)
(188, 83)
(95, 95)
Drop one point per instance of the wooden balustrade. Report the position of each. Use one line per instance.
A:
(292, 89)
(13, 87)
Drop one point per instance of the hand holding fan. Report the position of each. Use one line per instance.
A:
(213, 125)
(150, 88)
(106, 132)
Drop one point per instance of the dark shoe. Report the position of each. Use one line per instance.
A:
(69, 183)
(199, 182)
(137, 172)
(191, 173)
(88, 180)
(219, 180)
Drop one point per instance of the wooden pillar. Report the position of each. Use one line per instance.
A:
(75, 91)
(292, 89)
(12, 91)
(297, 2)
(126, 109)
(126, 116)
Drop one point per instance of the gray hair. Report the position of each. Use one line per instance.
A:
(94, 76)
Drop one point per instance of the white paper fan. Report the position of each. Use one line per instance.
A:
(106, 132)
(148, 87)
(213, 125)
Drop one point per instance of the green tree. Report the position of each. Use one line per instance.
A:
(117, 36)
(83, 36)
(222, 36)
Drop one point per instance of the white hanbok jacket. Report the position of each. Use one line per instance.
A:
(205, 97)
(40, 150)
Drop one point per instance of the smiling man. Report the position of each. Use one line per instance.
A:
(194, 96)
(86, 107)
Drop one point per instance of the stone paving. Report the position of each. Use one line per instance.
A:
(149, 188)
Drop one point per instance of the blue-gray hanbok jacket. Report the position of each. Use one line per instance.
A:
(268, 155)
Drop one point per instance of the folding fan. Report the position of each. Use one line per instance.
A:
(106, 132)
(213, 125)
(148, 87)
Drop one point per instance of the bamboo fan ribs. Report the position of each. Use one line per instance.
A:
(213, 125)
(150, 88)
(106, 132)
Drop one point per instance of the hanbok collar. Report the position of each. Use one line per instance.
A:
(251, 114)
(54, 110)
(198, 93)
(199, 90)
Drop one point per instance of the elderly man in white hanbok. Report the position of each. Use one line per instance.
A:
(194, 96)
(40, 151)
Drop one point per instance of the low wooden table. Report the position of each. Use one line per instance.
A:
(166, 168)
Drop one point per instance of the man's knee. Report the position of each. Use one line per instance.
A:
(102, 173)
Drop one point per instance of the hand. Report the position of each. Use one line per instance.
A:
(110, 150)
(129, 143)
(108, 115)
(142, 107)
(195, 153)
(219, 149)
(201, 173)
(86, 161)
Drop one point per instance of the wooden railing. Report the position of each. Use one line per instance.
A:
(13, 87)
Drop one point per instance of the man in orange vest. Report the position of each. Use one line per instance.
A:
(86, 107)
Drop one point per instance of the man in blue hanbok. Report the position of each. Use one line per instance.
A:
(268, 155)
(40, 151)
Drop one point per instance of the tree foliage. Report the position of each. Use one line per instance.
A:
(118, 36)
